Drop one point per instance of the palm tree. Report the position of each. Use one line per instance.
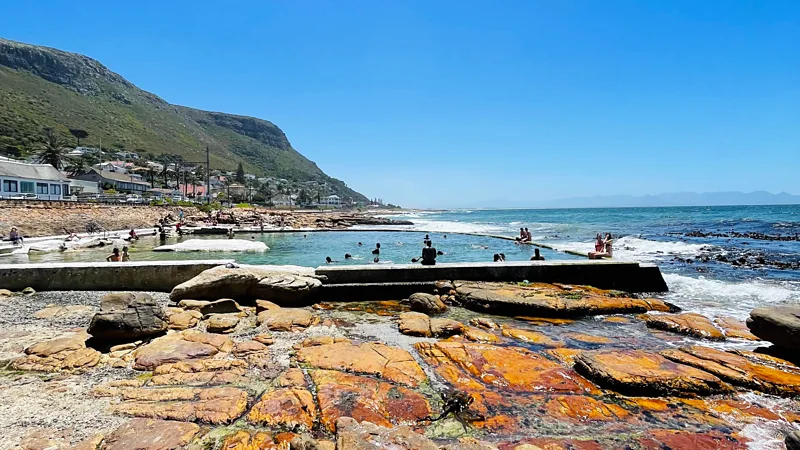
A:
(54, 150)
(78, 166)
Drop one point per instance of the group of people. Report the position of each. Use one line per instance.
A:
(603, 247)
(115, 255)
(427, 258)
(524, 236)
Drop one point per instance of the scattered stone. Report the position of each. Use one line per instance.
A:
(390, 363)
(367, 436)
(478, 335)
(290, 408)
(116, 387)
(344, 395)
(292, 378)
(588, 338)
(179, 347)
(124, 347)
(639, 372)
(127, 317)
(286, 319)
(544, 321)
(484, 322)
(735, 329)
(426, 303)
(690, 324)
(28, 291)
(419, 324)
(264, 338)
(265, 305)
(180, 319)
(531, 337)
(146, 434)
(67, 353)
(754, 373)
(246, 348)
(777, 324)
(5, 293)
(221, 323)
(286, 287)
(248, 440)
(322, 340)
(616, 319)
(218, 405)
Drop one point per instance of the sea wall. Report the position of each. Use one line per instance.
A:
(364, 282)
(102, 276)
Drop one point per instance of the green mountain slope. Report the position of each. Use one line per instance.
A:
(43, 87)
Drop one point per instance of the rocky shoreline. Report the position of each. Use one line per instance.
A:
(233, 360)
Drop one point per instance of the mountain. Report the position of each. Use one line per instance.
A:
(44, 87)
(678, 199)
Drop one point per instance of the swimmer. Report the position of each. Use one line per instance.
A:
(360, 244)
(328, 260)
(125, 256)
(377, 250)
(376, 260)
(440, 253)
(114, 256)
(348, 256)
(497, 258)
(537, 256)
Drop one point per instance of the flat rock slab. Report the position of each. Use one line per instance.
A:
(689, 324)
(777, 324)
(286, 408)
(419, 324)
(390, 363)
(735, 329)
(220, 405)
(68, 353)
(639, 372)
(531, 337)
(284, 285)
(146, 434)
(180, 319)
(344, 395)
(753, 372)
(176, 347)
(214, 245)
(352, 435)
(202, 372)
(474, 366)
(222, 323)
(549, 300)
(286, 319)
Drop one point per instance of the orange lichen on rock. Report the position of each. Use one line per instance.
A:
(531, 337)
(285, 408)
(690, 324)
(735, 328)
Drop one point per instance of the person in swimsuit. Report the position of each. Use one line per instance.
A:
(608, 249)
(114, 256)
(537, 256)
(428, 254)
(377, 250)
(125, 256)
(527, 235)
(598, 243)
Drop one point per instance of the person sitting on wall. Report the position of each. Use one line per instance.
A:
(15, 237)
(537, 256)
(428, 254)
(132, 235)
(608, 250)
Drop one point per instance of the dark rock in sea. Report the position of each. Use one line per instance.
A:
(128, 317)
(777, 324)
(793, 441)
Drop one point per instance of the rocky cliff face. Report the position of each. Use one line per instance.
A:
(46, 87)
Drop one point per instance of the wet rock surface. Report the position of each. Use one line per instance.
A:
(691, 324)
(343, 374)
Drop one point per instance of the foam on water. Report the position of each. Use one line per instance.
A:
(631, 248)
(720, 298)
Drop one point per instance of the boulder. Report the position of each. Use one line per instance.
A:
(221, 323)
(690, 324)
(547, 300)
(793, 441)
(426, 303)
(216, 405)
(264, 338)
(265, 305)
(742, 368)
(146, 434)
(639, 372)
(5, 293)
(221, 306)
(287, 408)
(484, 322)
(419, 324)
(344, 395)
(286, 319)
(352, 435)
(373, 358)
(284, 285)
(176, 347)
(478, 335)
(128, 317)
(777, 324)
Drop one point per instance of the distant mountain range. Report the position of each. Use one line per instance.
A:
(45, 87)
(672, 199)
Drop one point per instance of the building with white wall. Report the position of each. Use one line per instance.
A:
(19, 180)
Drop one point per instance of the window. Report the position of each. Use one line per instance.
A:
(55, 189)
(26, 187)
(9, 186)
(41, 188)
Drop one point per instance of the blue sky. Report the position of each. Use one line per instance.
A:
(464, 103)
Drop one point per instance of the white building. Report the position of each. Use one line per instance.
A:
(19, 180)
(331, 200)
(155, 167)
(284, 200)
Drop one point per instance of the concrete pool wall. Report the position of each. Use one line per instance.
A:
(372, 279)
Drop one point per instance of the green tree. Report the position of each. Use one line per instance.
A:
(54, 150)
(79, 134)
(303, 198)
(79, 165)
(239, 173)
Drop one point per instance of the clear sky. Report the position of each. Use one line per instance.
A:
(464, 103)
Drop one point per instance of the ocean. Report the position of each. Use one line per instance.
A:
(717, 260)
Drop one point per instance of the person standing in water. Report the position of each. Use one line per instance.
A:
(377, 250)
(537, 256)
(114, 256)
(428, 254)
(125, 256)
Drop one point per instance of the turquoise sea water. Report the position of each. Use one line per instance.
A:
(714, 275)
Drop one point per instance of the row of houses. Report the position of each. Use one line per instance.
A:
(44, 182)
